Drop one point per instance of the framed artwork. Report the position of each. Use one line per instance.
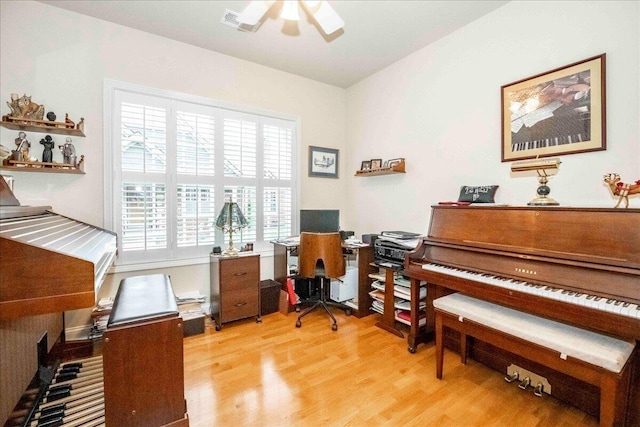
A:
(376, 163)
(561, 111)
(366, 165)
(323, 162)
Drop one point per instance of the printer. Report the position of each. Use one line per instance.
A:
(390, 247)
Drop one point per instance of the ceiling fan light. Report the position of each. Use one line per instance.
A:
(327, 18)
(255, 11)
(290, 10)
(311, 4)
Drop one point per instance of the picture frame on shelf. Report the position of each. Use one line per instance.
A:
(365, 165)
(376, 163)
(561, 111)
(392, 162)
(323, 162)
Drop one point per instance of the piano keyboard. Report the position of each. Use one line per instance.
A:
(571, 297)
(548, 142)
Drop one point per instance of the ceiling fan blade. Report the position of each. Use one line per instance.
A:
(255, 11)
(327, 18)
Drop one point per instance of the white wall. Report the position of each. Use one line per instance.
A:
(61, 59)
(440, 109)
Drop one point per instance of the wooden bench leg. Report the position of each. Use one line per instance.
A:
(463, 348)
(439, 345)
(608, 386)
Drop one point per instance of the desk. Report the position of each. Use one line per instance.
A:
(364, 255)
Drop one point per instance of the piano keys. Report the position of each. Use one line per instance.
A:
(579, 266)
(584, 299)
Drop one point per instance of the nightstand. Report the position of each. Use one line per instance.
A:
(235, 287)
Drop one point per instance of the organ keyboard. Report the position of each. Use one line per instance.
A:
(49, 264)
(579, 266)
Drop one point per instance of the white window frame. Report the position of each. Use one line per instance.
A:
(113, 176)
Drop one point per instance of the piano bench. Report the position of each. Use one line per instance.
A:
(596, 359)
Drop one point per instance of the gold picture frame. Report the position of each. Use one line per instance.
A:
(562, 111)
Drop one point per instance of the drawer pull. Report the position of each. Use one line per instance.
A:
(240, 304)
(240, 274)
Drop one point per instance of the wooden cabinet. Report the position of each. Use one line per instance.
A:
(235, 288)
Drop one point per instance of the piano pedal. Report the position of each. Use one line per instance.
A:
(517, 372)
(511, 377)
(524, 383)
(537, 391)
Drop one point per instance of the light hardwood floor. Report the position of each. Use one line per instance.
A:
(274, 374)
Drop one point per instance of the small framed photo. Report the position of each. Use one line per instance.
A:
(393, 162)
(366, 165)
(323, 162)
(376, 163)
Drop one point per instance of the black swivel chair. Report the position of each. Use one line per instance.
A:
(320, 257)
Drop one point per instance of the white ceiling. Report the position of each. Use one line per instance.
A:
(376, 33)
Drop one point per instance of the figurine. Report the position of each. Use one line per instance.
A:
(51, 116)
(47, 154)
(23, 108)
(68, 152)
(68, 122)
(620, 189)
(21, 153)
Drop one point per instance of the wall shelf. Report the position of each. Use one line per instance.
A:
(43, 126)
(44, 167)
(397, 168)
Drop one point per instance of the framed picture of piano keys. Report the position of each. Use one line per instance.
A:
(561, 111)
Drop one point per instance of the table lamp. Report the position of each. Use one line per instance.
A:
(544, 168)
(230, 220)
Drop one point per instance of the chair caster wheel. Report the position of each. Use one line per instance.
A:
(298, 323)
(334, 327)
(347, 312)
(411, 349)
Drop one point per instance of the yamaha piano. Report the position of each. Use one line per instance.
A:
(49, 264)
(579, 266)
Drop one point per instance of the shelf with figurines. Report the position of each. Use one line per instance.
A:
(21, 160)
(373, 167)
(27, 115)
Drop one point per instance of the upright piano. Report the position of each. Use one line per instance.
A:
(580, 266)
(49, 264)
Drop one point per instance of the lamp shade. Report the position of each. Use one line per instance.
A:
(231, 217)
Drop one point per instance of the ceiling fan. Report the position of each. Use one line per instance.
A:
(321, 11)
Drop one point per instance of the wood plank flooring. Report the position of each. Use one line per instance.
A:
(274, 374)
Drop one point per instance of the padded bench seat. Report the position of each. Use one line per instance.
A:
(591, 357)
(143, 298)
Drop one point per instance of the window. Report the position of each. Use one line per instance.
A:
(172, 160)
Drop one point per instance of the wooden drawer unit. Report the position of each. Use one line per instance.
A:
(235, 288)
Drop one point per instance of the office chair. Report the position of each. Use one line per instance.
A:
(320, 256)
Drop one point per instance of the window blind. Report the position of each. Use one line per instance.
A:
(175, 160)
